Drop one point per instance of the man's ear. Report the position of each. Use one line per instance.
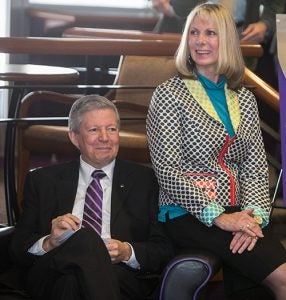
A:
(74, 138)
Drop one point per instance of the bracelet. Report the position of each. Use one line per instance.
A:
(258, 219)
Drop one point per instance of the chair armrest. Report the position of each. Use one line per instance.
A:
(187, 274)
(5, 237)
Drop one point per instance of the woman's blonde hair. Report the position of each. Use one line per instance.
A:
(230, 60)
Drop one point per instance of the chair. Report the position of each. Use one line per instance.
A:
(145, 71)
(188, 274)
(41, 104)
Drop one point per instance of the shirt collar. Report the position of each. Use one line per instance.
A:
(86, 170)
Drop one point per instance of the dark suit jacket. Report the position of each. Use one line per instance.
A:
(50, 192)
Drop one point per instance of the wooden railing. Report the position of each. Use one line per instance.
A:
(106, 46)
(82, 46)
(82, 32)
(269, 98)
(263, 90)
(252, 50)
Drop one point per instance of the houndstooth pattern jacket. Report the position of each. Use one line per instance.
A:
(197, 164)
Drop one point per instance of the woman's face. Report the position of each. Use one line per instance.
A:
(204, 45)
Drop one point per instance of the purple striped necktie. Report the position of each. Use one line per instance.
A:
(92, 213)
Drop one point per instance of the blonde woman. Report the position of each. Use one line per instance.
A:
(209, 158)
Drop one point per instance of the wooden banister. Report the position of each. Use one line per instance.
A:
(251, 50)
(81, 46)
(116, 33)
(91, 46)
(262, 90)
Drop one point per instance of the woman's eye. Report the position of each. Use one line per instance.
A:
(211, 32)
(193, 32)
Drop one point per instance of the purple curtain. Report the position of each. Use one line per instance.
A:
(282, 92)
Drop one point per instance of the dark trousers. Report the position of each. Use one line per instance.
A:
(81, 269)
(78, 269)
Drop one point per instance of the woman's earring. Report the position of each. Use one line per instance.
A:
(190, 61)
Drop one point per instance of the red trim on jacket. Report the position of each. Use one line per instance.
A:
(232, 192)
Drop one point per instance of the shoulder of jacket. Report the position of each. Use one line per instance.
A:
(245, 93)
(172, 84)
(53, 169)
(137, 167)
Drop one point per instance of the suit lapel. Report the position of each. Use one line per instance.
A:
(120, 188)
(67, 187)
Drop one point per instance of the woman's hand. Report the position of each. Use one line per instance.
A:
(245, 230)
(242, 241)
(239, 222)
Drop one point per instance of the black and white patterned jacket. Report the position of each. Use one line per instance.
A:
(198, 166)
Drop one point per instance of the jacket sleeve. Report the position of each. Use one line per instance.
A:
(253, 172)
(27, 231)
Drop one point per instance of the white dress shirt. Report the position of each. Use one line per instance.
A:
(84, 180)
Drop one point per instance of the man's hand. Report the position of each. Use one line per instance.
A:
(254, 33)
(59, 226)
(118, 251)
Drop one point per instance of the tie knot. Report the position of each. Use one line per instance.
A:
(98, 174)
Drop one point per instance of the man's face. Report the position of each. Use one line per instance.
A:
(98, 137)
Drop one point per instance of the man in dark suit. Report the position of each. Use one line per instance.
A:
(61, 256)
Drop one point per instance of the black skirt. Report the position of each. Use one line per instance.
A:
(240, 270)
